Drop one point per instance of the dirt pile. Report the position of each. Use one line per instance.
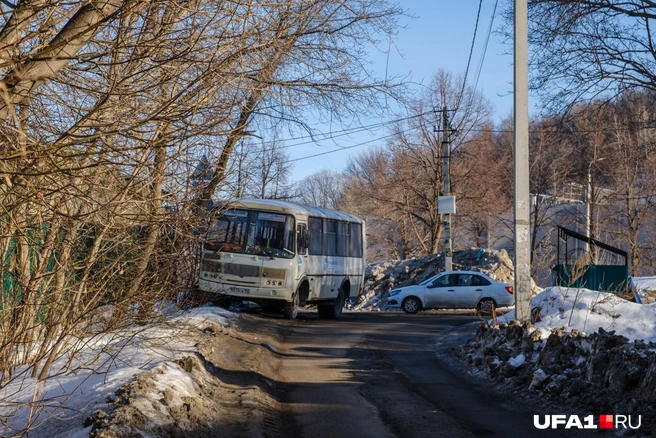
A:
(227, 389)
(381, 278)
(598, 374)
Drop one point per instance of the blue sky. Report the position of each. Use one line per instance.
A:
(440, 37)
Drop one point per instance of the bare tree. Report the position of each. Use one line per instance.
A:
(372, 191)
(323, 188)
(599, 156)
(630, 177)
(313, 61)
(406, 181)
(586, 49)
(271, 172)
(480, 174)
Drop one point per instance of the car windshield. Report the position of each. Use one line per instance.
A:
(253, 232)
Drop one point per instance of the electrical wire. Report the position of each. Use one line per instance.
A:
(312, 139)
(487, 41)
(492, 130)
(482, 60)
(471, 52)
(347, 147)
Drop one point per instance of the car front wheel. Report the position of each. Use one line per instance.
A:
(411, 305)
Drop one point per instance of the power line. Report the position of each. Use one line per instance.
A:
(348, 147)
(510, 131)
(330, 136)
(480, 130)
(312, 139)
(482, 60)
(499, 131)
(471, 52)
(487, 41)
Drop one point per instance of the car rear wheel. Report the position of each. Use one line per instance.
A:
(411, 305)
(486, 305)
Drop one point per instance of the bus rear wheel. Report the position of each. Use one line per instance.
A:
(332, 310)
(290, 310)
(322, 310)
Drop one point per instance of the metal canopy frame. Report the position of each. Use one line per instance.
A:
(563, 233)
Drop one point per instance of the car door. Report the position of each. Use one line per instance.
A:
(441, 293)
(469, 290)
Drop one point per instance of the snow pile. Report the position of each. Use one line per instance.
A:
(587, 352)
(97, 372)
(644, 289)
(381, 278)
(587, 310)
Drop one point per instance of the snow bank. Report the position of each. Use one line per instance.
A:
(95, 373)
(644, 289)
(587, 310)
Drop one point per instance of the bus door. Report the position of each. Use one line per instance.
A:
(302, 243)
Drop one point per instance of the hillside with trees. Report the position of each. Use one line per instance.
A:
(599, 155)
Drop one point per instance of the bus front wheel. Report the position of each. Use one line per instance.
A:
(290, 310)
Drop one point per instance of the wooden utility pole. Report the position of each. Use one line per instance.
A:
(521, 165)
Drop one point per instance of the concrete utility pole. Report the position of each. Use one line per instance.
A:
(446, 156)
(522, 201)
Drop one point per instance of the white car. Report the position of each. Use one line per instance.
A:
(453, 290)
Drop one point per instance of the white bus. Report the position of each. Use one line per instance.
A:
(283, 255)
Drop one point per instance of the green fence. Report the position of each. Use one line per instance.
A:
(607, 278)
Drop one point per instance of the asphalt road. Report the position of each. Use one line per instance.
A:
(387, 375)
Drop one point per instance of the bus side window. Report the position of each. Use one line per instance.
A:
(330, 238)
(355, 241)
(316, 235)
(343, 234)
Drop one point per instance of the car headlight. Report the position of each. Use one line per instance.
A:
(395, 292)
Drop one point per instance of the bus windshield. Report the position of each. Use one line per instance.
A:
(253, 232)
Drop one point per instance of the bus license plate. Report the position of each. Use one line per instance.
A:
(240, 290)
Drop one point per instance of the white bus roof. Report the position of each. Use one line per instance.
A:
(293, 208)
